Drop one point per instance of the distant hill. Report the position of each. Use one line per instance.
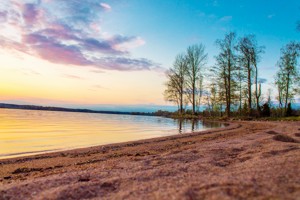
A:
(61, 109)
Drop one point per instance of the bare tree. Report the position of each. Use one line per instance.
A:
(171, 93)
(176, 82)
(288, 74)
(226, 65)
(216, 98)
(280, 83)
(196, 60)
(244, 48)
(200, 92)
(241, 77)
(249, 56)
(255, 53)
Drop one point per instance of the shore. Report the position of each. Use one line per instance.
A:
(245, 160)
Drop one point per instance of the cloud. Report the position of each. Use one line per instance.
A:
(72, 76)
(31, 13)
(68, 33)
(55, 52)
(105, 6)
(226, 19)
(29, 72)
(123, 44)
(3, 16)
(96, 88)
(271, 16)
(97, 71)
(215, 3)
(99, 87)
(209, 16)
(128, 64)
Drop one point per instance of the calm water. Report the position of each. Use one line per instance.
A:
(26, 132)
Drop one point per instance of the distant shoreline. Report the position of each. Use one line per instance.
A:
(61, 109)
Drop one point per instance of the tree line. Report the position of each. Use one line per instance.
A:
(232, 85)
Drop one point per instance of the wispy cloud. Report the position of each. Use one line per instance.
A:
(215, 3)
(29, 72)
(72, 76)
(105, 6)
(226, 19)
(98, 71)
(209, 16)
(271, 16)
(68, 32)
(98, 87)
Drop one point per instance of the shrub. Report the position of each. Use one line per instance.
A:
(289, 110)
(266, 112)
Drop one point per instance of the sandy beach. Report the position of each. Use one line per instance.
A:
(245, 160)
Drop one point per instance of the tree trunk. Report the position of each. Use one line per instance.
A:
(287, 93)
(229, 87)
(249, 89)
(181, 102)
(240, 99)
(226, 95)
(221, 107)
(257, 95)
(200, 92)
(193, 100)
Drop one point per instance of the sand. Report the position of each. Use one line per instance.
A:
(246, 160)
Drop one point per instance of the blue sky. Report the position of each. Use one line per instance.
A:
(107, 47)
(168, 27)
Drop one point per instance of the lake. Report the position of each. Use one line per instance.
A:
(28, 132)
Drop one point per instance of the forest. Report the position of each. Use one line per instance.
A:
(232, 86)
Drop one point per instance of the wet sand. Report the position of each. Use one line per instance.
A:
(246, 160)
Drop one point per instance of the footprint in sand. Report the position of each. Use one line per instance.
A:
(272, 132)
(284, 138)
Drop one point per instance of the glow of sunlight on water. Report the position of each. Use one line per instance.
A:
(26, 132)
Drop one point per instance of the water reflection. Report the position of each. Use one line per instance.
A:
(195, 125)
(25, 132)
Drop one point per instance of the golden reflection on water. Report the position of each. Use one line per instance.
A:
(26, 132)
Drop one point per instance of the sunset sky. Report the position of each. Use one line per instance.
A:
(93, 52)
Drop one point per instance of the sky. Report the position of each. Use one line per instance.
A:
(115, 53)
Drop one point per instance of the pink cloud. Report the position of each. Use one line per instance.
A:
(31, 14)
(69, 36)
(3, 16)
(95, 27)
(105, 6)
(58, 54)
(130, 44)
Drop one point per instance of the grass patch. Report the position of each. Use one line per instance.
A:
(293, 118)
(284, 138)
(184, 116)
